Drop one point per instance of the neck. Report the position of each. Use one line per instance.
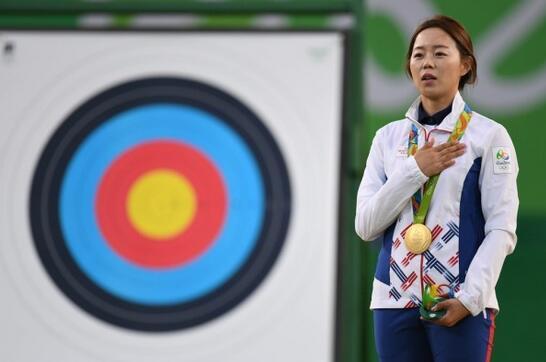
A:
(435, 105)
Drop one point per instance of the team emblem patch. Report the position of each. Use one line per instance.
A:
(502, 160)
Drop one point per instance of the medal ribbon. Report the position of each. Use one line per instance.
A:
(420, 203)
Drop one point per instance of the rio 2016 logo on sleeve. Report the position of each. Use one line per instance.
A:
(502, 155)
(501, 160)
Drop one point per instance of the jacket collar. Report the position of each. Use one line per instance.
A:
(449, 122)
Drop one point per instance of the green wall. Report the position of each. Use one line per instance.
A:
(173, 5)
(520, 322)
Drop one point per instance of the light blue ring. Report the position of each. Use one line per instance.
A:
(162, 121)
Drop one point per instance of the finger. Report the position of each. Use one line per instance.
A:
(443, 146)
(458, 153)
(445, 322)
(445, 164)
(457, 148)
(452, 148)
(452, 153)
(451, 156)
(440, 306)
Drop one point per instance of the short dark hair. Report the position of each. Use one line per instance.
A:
(462, 39)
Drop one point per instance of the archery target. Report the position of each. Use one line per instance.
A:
(163, 185)
(159, 204)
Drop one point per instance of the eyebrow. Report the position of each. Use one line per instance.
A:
(434, 46)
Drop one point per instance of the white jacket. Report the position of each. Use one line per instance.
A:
(472, 213)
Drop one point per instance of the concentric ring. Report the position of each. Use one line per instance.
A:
(111, 203)
(162, 296)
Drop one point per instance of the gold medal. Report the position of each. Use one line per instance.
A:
(418, 238)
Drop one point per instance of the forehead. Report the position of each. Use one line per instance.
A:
(433, 37)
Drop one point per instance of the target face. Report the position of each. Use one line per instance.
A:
(160, 204)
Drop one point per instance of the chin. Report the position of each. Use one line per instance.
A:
(432, 93)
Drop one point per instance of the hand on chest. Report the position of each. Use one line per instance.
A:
(455, 174)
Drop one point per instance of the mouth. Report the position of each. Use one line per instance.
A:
(428, 77)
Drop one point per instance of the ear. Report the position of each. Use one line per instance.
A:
(465, 66)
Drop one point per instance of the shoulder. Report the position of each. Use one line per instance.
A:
(486, 127)
(489, 137)
(393, 128)
(485, 124)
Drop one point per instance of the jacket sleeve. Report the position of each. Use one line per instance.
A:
(499, 198)
(380, 200)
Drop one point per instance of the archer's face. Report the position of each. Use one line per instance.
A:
(435, 64)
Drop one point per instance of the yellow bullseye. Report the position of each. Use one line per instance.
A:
(161, 204)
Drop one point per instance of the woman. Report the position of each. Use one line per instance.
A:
(440, 188)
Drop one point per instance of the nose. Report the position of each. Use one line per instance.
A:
(428, 61)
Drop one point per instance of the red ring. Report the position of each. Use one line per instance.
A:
(111, 212)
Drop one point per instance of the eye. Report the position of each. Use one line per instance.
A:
(417, 55)
(440, 54)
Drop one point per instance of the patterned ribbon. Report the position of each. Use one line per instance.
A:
(420, 202)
